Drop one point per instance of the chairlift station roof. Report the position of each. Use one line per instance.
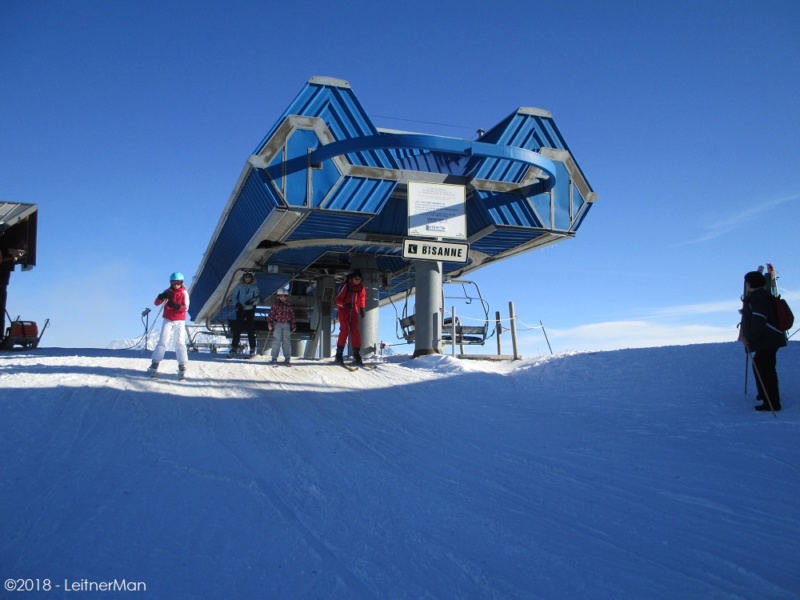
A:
(18, 230)
(325, 185)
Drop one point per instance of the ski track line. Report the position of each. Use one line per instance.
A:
(268, 493)
(280, 379)
(72, 423)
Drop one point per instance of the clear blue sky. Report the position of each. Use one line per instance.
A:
(128, 123)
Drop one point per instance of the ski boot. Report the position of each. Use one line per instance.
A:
(339, 359)
(182, 372)
(152, 370)
(357, 357)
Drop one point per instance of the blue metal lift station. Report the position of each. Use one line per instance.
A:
(325, 191)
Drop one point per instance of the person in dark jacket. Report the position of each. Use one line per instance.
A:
(761, 337)
(245, 298)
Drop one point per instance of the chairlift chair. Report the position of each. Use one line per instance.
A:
(465, 335)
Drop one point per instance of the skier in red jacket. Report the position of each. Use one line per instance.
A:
(176, 297)
(351, 302)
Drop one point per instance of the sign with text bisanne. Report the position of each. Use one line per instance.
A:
(437, 210)
(434, 250)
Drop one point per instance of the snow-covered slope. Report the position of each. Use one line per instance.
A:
(625, 474)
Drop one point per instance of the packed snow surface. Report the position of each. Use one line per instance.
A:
(625, 474)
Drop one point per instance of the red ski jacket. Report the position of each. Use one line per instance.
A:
(179, 296)
(353, 294)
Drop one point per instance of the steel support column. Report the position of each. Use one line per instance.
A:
(428, 309)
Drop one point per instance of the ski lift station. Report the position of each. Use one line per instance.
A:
(325, 192)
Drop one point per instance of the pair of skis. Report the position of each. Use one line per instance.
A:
(242, 356)
(354, 367)
(155, 377)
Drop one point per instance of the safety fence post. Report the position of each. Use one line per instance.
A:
(498, 327)
(513, 318)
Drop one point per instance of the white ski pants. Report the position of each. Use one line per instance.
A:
(281, 337)
(177, 331)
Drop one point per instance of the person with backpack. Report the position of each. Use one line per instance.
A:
(351, 302)
(246, 297)
(760, 335)
(281, 322)
(176, 300)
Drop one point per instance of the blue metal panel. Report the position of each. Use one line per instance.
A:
(525, 130)
(477, 216)
(391, 264)
(337, 106)
(297, 258)
(508, 209)
(505, 239)
(321, 224)
(415, 159)
(253, 205)
(392, 220)
(518, 130)
(531, 131)
(361, 195)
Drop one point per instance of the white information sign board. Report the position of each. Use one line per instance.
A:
(437, 210)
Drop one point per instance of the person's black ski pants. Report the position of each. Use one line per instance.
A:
(764, 364)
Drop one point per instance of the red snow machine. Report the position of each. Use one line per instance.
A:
(25, 334)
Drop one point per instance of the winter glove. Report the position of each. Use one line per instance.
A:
(174, 305)
(163, 296)
(361, 312)
(239, 306)
(269, 326)
(348, 306)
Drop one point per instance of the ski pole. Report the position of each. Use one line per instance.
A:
(764, 389)
(746, 360)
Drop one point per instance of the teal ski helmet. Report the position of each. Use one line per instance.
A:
(176, 276)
